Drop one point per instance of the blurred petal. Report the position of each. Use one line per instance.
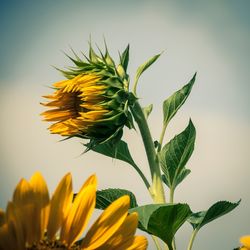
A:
(15, 226)
(23, 193)
(60, 204)
(23, 198)
(2, 217)
(107, 223)
(125, 233)
(41, 196)
(139, 243)
(245, 240)
(79, 215)
(7, 242)
(92, 180)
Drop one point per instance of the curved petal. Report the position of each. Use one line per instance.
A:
(107, 223)
(15, 226)
(79, 215)
(60, 204)
(92, 180)
(125, 234)
(23, 193)
(23, 199)
(139, 243)
(245, 240)
(41, 202)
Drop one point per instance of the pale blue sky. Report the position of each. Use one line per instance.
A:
(210, 37)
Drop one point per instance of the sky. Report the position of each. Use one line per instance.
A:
(208, 37)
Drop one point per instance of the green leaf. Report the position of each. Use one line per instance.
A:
(175, 101)
(220, 208)
(165, 180)
(105, 197)
(175, 154)
(125, 58)
(119, 151)
(182, 175)
(162, 220)
(147, 110)
(144, 66)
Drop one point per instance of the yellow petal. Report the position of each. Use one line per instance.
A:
(60, 204)
(92, 180)
(79, 215)
(124, 235)
(245, 241)
(7, 241)
(2, 217)
(139, 243)
(23, 193)
(16, 229)
(41, 202)
(107, 224)
(24, 199)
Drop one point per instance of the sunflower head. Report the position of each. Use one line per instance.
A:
(34, 221)
(92, 103)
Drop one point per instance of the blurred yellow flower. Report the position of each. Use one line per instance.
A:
(93, 102)
(245, 241)
(33, 221)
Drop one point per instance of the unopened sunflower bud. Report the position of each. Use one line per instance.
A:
(92, 103)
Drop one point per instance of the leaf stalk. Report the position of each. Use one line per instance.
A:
(191, 242)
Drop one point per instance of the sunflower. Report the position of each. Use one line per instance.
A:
(92, 103)
(245, 241)
(33, 221)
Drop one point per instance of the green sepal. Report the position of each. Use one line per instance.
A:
(112, 83)
(130, 121)
(105, 197)
(121, 72)
(220, 208)
(131, 99)
(147, 110)
(175, 154)
(78, 62)
(175, 101)
(124, 58)
(162, 220)
(107, 58)
(93, 57)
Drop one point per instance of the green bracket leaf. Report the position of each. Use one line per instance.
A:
(118, 151)
(105, 197)
(220, 208)
(175, 101)
(162, 220)
(142, 68)
(175, 154)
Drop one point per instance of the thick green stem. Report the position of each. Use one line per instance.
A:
(191, 242)
(171, 200)
(171, 195)
(156, 190)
